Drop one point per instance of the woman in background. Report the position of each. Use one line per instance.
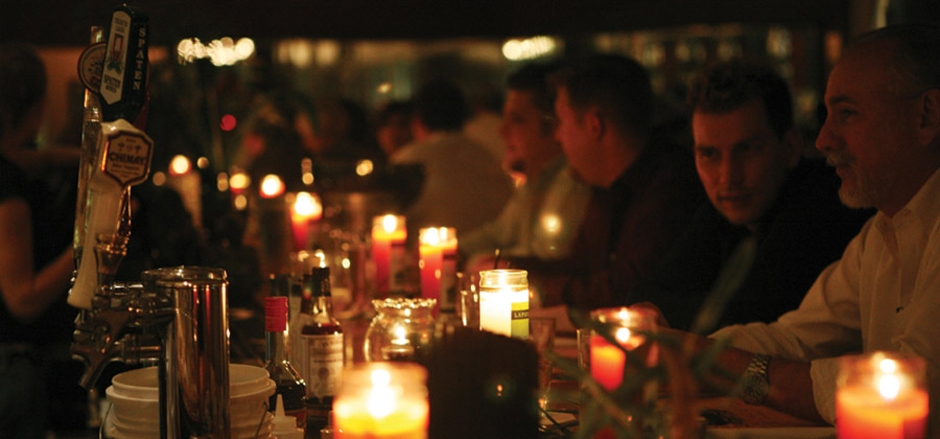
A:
(36, 265)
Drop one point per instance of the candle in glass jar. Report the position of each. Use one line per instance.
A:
(304, 212)
(382, 400)
(881, 395)
(629, 327)
(434, 243)
(504, 302)
(388, 246)
(400, 348)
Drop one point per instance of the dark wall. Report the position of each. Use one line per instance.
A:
(66, 22)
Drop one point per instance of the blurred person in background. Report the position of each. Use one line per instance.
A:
(464, 185)
(545, 212)
(643, 188)
(483, 124)
(39, 389)
(336, 132)
(393, 126)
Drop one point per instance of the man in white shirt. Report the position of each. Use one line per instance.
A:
(882, 134)
(464, 185)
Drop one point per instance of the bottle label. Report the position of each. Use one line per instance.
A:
(324, 364)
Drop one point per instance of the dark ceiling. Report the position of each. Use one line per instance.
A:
(67, 22)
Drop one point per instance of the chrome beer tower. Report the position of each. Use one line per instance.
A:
(175, 317)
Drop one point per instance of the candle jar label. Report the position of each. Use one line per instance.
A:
(520, 319)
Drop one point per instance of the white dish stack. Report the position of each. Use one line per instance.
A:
(135, 405)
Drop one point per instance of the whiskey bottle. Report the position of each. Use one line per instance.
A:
(323, 343)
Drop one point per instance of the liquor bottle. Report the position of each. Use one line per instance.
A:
(323, 343)
(290, 387)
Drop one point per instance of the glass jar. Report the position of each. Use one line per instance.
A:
(504, 302)
(382, 399)
(400, 329)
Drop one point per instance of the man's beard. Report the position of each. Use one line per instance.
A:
(863, 189)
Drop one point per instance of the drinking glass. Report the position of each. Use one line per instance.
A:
(542, 336)
(468, 304)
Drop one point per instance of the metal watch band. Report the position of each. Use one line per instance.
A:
(756, 380)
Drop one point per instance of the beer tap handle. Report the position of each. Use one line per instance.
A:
(124, 156)
(126, 67)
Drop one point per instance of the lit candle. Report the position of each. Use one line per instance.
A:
(608, 361)
(304, 213)
(881, 396)
(436, 244)
(400, 349)
(504, 302)
(628, 326)
(382, 400)
(388, 248)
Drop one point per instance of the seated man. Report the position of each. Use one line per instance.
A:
(882, 134)
(544, 213)
(747, 152)
(644, 190)
(464, 185)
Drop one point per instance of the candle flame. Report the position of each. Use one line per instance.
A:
(307, 205)
(271, 186)
(622, 335)
(889, 385)
(431, 236)
(401, 335)
(390, 223)
(381, 398)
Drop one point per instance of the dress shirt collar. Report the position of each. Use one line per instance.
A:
(926, 203)
(923, 205)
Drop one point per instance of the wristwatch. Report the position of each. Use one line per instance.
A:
(756, 380)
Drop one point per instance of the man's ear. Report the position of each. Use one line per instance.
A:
(929, 123)
(594, 123)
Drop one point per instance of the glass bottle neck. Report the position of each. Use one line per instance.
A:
(276, 347)
(322, 305)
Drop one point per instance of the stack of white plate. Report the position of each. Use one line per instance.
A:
(135, 405)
